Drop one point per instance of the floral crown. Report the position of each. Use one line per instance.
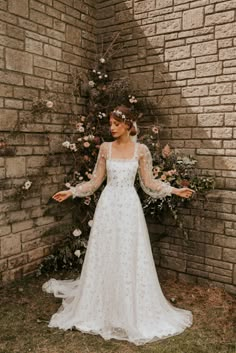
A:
(121, 115)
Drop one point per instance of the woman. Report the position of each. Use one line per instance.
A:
(118, 294)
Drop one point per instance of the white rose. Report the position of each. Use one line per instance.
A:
(91, 83)
(77, 232)
(49, 104)
(102, 60)
(27, 184)
(66, 144)
(73, 147)
(67, 185)
(90, 223)
(81, 129)
(100, 76)
(77, 253)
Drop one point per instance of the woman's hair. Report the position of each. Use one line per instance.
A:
(124, 114)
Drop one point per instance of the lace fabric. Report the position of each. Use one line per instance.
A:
(118, 294)
(153, 187)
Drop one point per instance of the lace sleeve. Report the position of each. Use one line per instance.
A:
(151, 186)
(98, 176)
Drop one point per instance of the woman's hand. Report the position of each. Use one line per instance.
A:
(62, 195)
(183, 192)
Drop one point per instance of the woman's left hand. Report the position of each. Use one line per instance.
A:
(183, 192)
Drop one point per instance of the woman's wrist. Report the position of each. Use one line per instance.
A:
(174, 191)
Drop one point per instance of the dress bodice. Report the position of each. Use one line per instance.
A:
(121, 172)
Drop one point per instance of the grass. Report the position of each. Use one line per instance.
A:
(25, 311)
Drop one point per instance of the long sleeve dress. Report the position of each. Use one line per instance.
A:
(118, 294)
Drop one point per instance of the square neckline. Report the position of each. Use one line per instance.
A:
(122, 159)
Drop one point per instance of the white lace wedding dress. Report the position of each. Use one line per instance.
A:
(118, 294)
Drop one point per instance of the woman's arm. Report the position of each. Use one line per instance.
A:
(89, 187)
(155, 187)
(98, 176)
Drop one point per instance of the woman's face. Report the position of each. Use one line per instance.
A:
(118, 128)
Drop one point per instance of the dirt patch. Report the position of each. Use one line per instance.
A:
(25, 311)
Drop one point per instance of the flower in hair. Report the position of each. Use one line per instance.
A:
(119, 114)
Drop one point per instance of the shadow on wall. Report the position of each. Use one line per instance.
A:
(179, 54)
(175, 55)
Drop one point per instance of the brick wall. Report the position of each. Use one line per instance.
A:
(41, 42)
(208, 254)
(185, 51)
(182, 55)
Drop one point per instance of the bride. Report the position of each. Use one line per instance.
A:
(118, 294)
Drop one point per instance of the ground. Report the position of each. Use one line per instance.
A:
(25, 311)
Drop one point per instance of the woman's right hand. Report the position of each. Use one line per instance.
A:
(62, 195)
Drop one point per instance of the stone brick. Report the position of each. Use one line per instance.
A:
(11, 42)
(55, 34)
(35, 162)
(142, 80)
(15, 167)
(195, 91)
(225, 5)
(144, 6)
(35, 254)
(229, 255)
(208, 69)
(6, 90)
(25, 93)
(205, 48)
(214, 252)
(73, 35)
(41, 18)
(52, 52)
(193, 18)
(230, 119)
(168, 26)
(13, 103)
(220, 278)
(33, 46)
(15, 32)
(34, 82)
(220, 88)
(4, 230)
(227, 54)
(59, 25)
(219, 264)
(226, 30)
(17, 261)
(42, 72)
(180, 52)
(222, 132)
(184, 133)
(219, 18)
(210, 119)
(10, 245)
(173, 263)
(8, 119)
(225, 242)
(20, 8)
(19, 226)
(181, 65)
(225, 163)
(19, 61)
(45, 63)
(227, 99)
